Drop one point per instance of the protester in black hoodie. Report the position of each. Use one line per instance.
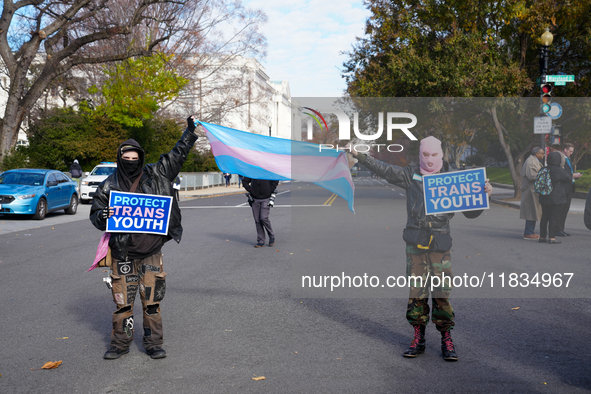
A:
(263, 198)
(553, 203)
(136, 257)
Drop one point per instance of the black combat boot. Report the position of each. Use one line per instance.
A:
(417, 345)
(447, 347)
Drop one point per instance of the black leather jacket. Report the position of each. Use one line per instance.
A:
(415, 202)
(156, 179)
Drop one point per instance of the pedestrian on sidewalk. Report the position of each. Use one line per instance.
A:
(240, 178)
(262, 194)
(428, 243)
(553, 203)
(569, 189)
(531, 209)
(136, 261)
(227, 177)
(76, 172)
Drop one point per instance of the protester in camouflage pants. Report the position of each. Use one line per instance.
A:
(427, 264)
(126, 277)
(428, 242)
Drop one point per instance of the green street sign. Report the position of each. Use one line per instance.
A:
(560, 78)
(560, 83)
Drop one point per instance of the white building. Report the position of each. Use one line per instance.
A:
(238, 93)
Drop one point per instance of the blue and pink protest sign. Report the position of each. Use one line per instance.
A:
(139, 213)
(455, 191)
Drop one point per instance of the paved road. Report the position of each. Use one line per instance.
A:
(233, 312)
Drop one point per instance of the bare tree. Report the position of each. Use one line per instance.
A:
(41, 40)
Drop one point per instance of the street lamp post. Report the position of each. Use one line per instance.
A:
(546, 40)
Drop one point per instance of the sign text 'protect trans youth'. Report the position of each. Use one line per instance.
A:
(139, 213)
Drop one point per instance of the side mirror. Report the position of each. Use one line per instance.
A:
(87, 173)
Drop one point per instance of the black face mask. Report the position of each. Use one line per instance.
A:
(130, 166)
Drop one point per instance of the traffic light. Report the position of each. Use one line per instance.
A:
(546, 97)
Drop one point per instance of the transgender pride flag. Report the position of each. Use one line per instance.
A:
(261, 157)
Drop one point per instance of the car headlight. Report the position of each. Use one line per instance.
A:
(25, 196)
(84, 182)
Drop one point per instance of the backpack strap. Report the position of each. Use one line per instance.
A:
(136, 182)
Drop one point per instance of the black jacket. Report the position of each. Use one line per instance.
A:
(75, 170)
(561, 181)
(260, 188)
(415, 203)
(587, 216)
(156, 179)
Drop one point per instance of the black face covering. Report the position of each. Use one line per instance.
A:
(130, 166)
(129, 170)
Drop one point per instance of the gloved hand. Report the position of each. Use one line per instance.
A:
(250, 199)
(272, 200)
(191, 123)
(105, 213)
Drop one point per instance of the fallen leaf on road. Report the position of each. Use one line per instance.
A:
(307, 250)
(258, 378)
(516, 308)
(62, 338)
(51, 364)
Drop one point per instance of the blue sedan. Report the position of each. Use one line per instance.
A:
(37, 192)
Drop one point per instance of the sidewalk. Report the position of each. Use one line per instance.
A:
(501, 192)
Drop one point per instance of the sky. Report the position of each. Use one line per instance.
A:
(305, 38)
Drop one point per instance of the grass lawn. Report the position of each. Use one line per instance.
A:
(502, 175)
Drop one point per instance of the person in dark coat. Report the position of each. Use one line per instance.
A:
(587, 216)
(263, 198)
(553, 203)
(76, 172)
(569, 188)
(428, 244)
(137, 260)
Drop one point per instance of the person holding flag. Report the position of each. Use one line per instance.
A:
(137, 257)
(428, 243)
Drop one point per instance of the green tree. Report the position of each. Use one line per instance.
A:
(137, 88)
(470, 48)
(62, 135)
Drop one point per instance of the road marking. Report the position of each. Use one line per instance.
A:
(330, 199)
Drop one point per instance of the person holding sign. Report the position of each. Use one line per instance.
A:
(135, 204)
(428, 239)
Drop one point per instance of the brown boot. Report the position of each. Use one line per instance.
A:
(417, 345)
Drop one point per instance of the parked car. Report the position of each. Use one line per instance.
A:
(37, 192)
(93, 179)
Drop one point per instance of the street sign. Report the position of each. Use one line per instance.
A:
(560, 78)
(555, 111)
(542, 125)
(560, 83)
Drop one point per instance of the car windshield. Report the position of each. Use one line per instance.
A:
(103, 171)
(21, 178)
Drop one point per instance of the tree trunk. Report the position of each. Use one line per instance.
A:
(515, 176)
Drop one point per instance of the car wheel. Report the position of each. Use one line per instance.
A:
(41, 210)
(71, 210)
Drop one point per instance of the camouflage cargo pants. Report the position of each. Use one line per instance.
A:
(422, 266)
(127, 277)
